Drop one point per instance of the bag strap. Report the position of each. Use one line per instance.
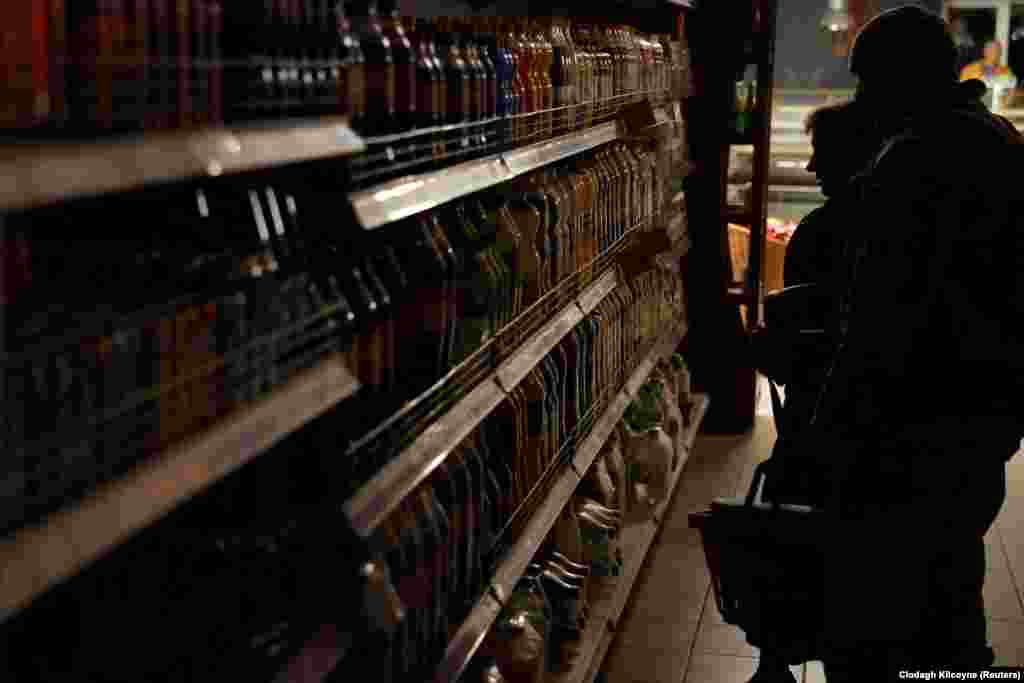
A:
(777, 410)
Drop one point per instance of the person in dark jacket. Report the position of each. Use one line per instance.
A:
(922, 408)
(842, 144)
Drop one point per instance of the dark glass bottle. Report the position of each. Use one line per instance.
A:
(283, 59)
(486, 45)
(478, 79)
(457, 79)
(322, 57)
(347, 66)
(404, 55)
(503, 102)
(304, 35)
(428, 78)
(380, 68)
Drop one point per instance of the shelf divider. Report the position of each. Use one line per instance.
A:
(42, 555)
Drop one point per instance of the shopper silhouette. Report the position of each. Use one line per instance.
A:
(922, 407)
(842, 144)
(786, 349)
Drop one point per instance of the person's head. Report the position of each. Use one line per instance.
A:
(993, 52)
(842, 142)
(904, 58)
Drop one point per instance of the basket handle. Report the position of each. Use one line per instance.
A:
(756, 484)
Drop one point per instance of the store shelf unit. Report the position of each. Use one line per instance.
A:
(34, 174)
(403, 197)
(636, 542)
(379, 497)
(511, 567)
(37, 557)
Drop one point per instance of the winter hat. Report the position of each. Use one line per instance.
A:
(907, 43)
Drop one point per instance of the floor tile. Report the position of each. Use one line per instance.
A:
(995, 555)
(640, 663)
(1007, 639)
(672, 633)
(711, 613)
(723, 639)
(716, 669)
(814, 672)
(1002, 600)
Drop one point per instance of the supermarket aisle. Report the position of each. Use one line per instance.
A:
(672, 633)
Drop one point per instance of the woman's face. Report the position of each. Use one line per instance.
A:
(827, 164)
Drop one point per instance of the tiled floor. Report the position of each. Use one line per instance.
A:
(672, 632)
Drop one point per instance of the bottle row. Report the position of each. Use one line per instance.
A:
(256, 556)
(233, 290)
(536, 637)
(532, 435)
(94, 66)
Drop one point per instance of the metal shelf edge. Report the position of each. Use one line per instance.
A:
(37, 557)
(378, 498)
(596, 293)
(397, 479)
(404, 197)
(599, 434)
(525, 159)
(512, 371)
(467, 639)
(36, 174)
(511, 568)
(602, 651)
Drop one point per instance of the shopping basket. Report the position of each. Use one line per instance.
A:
(766, 566)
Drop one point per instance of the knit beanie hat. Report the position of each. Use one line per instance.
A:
(905, 44)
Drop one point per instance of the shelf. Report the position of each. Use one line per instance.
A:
(33, 174)
(511, 569)
(512, 371)
(404, 197)
(538, 155)
(396, 480)
(598, 291)
(636, 541)
(467, 639)
(38, 557)
(473, 631)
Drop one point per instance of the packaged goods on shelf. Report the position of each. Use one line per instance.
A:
(315, 318)
(86, 68)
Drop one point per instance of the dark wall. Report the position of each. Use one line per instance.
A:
(803, 50)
